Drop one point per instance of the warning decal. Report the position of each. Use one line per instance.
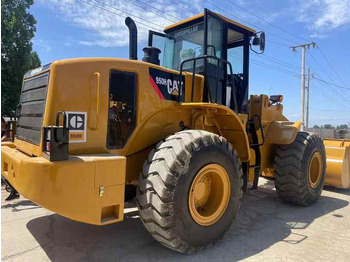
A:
(76, 122)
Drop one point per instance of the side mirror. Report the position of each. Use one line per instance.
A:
(259, 41)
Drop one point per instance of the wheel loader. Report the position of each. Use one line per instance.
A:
(177, 131)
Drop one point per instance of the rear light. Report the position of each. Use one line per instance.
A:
(48, 147)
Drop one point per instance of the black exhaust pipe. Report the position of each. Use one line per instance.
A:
(132, 38)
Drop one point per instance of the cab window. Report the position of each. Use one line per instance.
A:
(121, 108)
(179, 46)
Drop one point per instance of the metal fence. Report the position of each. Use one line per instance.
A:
(331, 133)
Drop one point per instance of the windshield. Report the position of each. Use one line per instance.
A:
(184, 44)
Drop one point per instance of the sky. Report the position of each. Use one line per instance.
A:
(96, 28)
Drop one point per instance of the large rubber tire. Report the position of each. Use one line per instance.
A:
(292, 164)
(165, 183)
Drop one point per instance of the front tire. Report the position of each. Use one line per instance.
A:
(300, 170)
(190, 189)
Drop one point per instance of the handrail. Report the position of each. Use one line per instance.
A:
(206, 57)
(261, 131)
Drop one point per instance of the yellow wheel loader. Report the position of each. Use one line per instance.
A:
(177, 130)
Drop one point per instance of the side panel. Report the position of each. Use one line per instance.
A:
(82, 188)
(277, 129)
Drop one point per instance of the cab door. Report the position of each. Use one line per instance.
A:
(166, 45)
(215, 38)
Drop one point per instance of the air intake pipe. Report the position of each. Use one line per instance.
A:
(132, 38)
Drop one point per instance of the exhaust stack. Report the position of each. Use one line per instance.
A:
(132, 38)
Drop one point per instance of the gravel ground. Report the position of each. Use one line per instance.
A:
(265, 230)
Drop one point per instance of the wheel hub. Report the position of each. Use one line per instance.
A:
(202, 191)
(209, 194)
(315, 170)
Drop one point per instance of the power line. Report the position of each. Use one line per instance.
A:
(328, 84)
(274, 68)
(278, 68)
(248, 23)
(341, 79)
(253, 61)
(181, 6)
(141, 7)
(303, 61)
(276, 43)
(152, 6)
(256, 62)
(142, 23)
(320, 91)
(324, 81)
(287, 63)
(267, 57)
(344, 100)
(327, 96)
(320, 66)
(290, 33)
(107, 10)
(262, 19)
(236, 17)
(326, 72)
(277, 61)
(317, 109)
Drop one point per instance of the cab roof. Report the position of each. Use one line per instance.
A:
(199, 18)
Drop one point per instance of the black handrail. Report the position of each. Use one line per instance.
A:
(261, 130)
(64, 116)
(206, 57)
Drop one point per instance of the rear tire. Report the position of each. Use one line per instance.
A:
(166, 182)
(300, 170)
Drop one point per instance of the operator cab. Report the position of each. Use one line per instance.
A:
(214, 46)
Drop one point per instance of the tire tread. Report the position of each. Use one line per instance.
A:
(158, 181)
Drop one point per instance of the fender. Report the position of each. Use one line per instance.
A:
(227, 123)
(282, 132)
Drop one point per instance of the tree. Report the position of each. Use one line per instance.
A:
(329, 126)
(17, 57)
(316, 126)
(344, 126)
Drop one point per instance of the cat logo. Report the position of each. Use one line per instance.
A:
(165, 84)
(173, 87)
(76, 122)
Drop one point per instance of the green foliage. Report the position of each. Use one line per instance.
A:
(328, 126)
(17, 57)
(316, 126)
(344, 126)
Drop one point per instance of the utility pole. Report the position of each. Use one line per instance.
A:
(302, 107)
(307, 98)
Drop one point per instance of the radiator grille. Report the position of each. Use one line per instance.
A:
(32, 108)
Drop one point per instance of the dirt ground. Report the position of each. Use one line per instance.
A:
(265, 230)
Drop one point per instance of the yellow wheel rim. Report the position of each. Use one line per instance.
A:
(315, 170)
(209, 194)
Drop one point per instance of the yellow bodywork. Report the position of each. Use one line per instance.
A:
(338, 162)
(82, 188)
(89, 187)
(276, 128)
(201, 16)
